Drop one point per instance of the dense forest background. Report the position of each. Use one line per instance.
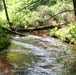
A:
(60, 14)
(35, 12)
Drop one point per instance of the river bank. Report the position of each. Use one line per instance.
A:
(67, 33)
(4, 39)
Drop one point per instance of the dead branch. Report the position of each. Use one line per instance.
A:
(31, 29)
(60, 13)
(13, 32)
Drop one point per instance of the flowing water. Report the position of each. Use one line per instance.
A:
(34, 55)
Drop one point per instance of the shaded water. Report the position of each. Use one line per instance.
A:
(33, 55)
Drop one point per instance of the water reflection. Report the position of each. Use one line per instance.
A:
(5, 66)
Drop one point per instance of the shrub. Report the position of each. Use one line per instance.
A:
(4, 39)
(66, 33)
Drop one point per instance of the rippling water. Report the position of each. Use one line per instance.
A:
(34, 55)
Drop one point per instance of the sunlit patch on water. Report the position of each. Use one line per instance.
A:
(33, 55)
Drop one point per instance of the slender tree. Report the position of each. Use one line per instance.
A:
(74, 4)
(6, 12)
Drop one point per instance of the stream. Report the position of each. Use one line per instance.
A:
(36, 55)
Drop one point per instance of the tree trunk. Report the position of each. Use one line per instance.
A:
(74, 4)
(6, 12)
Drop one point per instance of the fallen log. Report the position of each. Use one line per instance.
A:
(13, 32)
(20, 30)
(31, 29)
(36, 28)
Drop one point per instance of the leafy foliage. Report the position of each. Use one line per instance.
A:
(27, 12)
(66, 33)
(1, 5)
(4, 39)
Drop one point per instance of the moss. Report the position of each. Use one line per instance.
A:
(4, 39)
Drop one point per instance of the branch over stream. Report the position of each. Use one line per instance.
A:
(31, 29)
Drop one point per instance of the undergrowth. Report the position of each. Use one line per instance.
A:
(4, 39)
(67, 33)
